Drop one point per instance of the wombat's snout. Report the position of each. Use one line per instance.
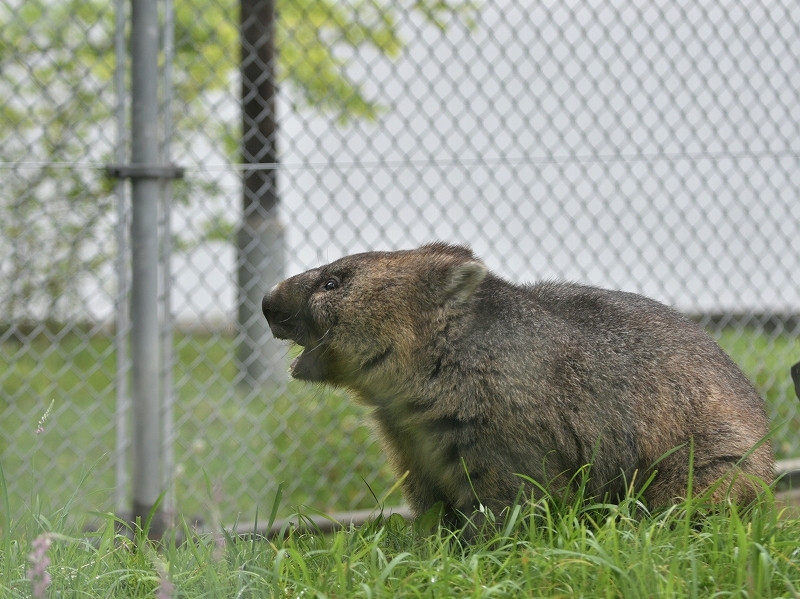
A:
(282, 315)
(278, 320)
(266, 304)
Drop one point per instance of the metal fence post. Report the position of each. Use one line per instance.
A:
(122, 327)
(144, 284)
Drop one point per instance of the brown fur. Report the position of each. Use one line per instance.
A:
(473, 380)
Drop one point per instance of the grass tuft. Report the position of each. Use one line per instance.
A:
(541, 549)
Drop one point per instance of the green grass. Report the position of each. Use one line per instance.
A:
(766, 360)
(533, 550)
(312, 441)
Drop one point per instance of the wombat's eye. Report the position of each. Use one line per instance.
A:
(331, 285)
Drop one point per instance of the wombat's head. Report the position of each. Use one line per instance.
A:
(364, 315)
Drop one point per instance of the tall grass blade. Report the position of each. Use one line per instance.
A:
(275, 505)
(7, 531)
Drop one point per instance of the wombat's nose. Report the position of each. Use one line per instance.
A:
(272, 306)
(268, 301)
(282, 317)
(265, 304)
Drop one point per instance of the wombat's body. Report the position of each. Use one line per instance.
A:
(474, 380)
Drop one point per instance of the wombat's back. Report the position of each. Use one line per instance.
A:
(619, 380)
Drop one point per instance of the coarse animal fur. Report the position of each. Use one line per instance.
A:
(473, 380)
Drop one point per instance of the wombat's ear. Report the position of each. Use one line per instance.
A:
(462, 280)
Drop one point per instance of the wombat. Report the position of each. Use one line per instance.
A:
(474, 381)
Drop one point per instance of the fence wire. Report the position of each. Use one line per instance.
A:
(648, 146)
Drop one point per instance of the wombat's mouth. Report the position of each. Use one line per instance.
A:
(287, 329)
(309, 365)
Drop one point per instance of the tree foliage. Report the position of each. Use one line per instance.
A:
(56, 106)
(57, 103)
(316, 40)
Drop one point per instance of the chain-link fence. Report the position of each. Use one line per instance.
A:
(647, 146)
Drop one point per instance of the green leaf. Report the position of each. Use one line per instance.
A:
(428, 523)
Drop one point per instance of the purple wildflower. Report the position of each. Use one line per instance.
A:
(37, 573)
(216, 521)
(43, 419)
(165, 586)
